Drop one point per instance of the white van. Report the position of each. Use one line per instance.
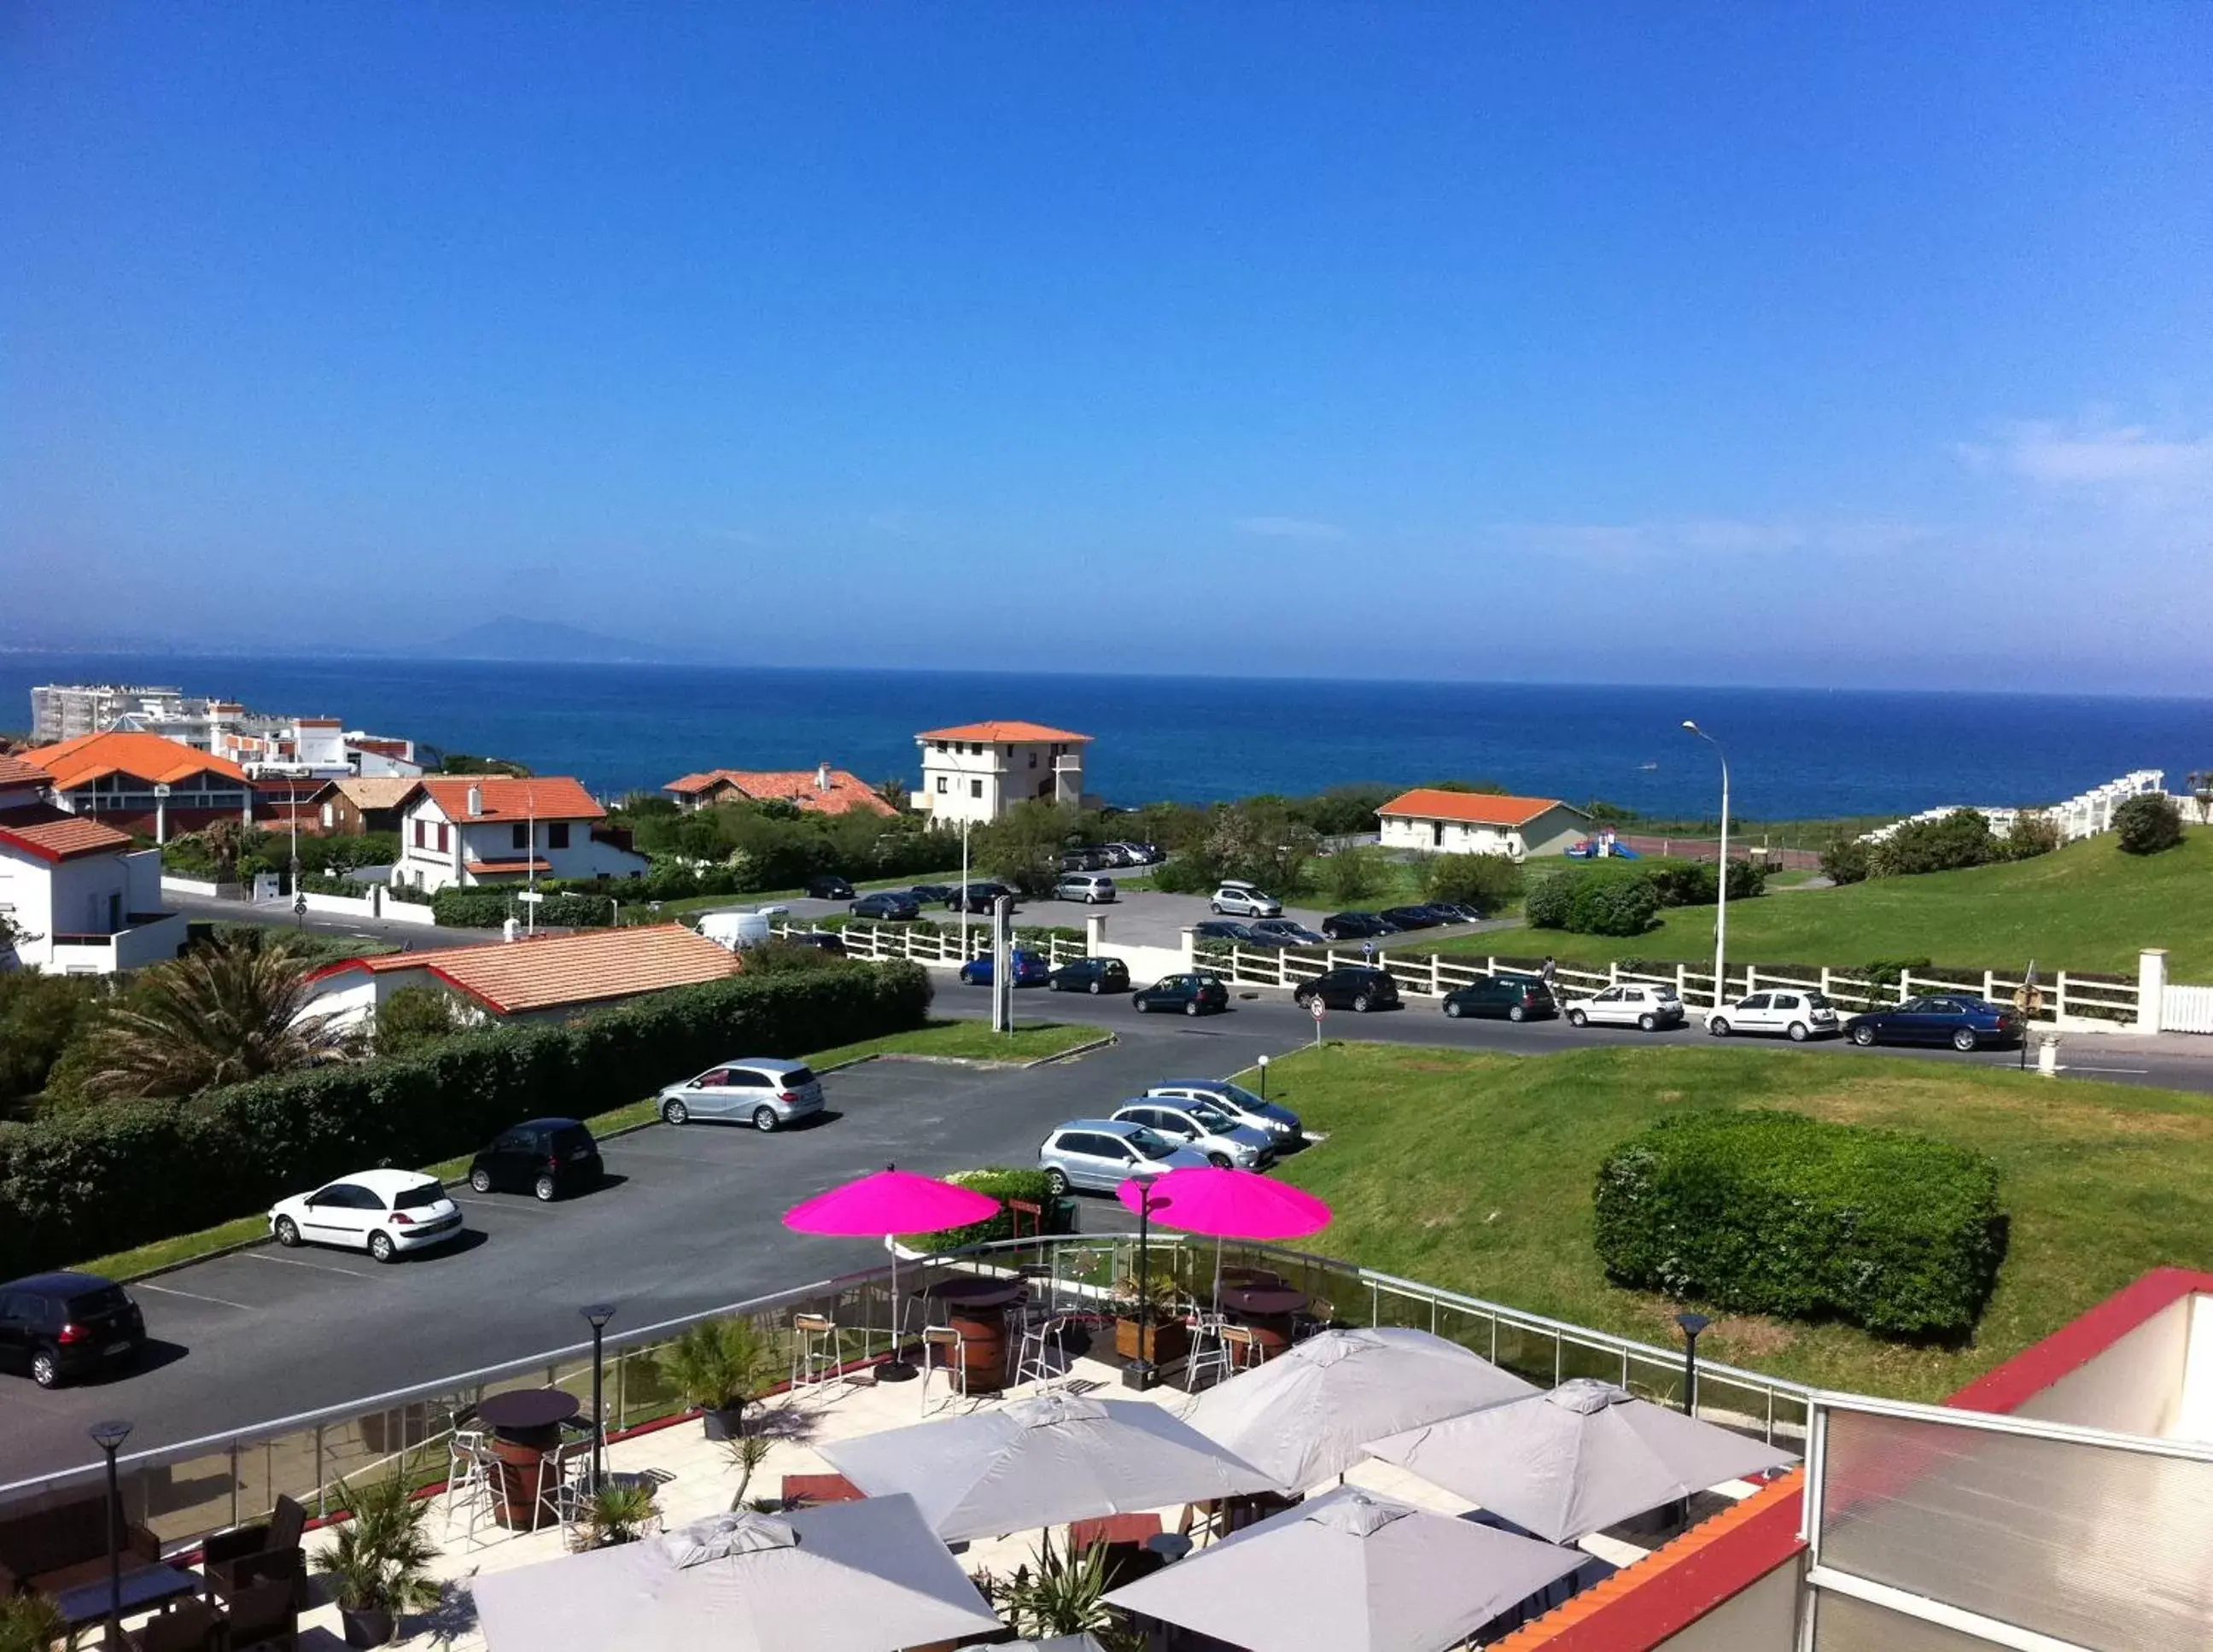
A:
(735, 931)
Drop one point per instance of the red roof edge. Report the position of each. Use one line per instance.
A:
(2081, 1340)
(415, 960)
(51, 857)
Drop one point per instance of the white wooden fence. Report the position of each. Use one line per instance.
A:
(882, 942)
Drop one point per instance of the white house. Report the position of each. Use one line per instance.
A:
(462, 830)
(978, 770)
(1479, 823)
(77, 899)
(551, 978)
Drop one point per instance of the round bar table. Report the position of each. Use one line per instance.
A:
(977, 1309)
(1266, 1311)
(526, 1428)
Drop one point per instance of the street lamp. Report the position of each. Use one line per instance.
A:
(1721, 878)
(597, 1316)
(1264, 1077)
(1138, 1374)
(1693, 1324)
(109, 1437)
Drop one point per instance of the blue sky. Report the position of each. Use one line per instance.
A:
(1866, 344)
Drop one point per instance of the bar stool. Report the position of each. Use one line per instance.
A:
(564, 1476)
(1209, 1355)
(814, 1353)
(1042, 1355)
(943, 1349)
(469, 1472)
(1240, 1346)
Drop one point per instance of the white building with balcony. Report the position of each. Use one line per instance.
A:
(459, 831)
(976, 772)
(75, 898)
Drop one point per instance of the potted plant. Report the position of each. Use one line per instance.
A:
(1166, 1338)
(617, 1512)
(379, 1564)
(718, 1366)
(1064, 1595)
(33, 1622)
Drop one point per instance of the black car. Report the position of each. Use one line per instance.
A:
(1457, 912)
(1194, 995)
(829, 886)
(1410, 917)
(1085, 860)
(57, 1325)
(1960, 1019)
(1222, 929)
(976, 897)
(822, 941)
(931, 894)
(545, 1156)
(1351, 986)
(1517, 997)
(891, 905)
(1090, 975)
(1356, 926)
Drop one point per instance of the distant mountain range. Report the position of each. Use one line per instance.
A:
(510, 638)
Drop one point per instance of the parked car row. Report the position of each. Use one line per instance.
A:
(1179, 1124)
(1097, 857)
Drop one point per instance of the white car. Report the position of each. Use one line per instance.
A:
(383, 1212)
(1799, 1016)
(1204, 1129)
(1243, 900)
(1089, 887)
(1628, 1005)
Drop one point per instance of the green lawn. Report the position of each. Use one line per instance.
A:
(2085, 907)
(1474, 1171)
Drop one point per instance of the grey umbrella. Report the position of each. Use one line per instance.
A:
(1577, 1459)
(844, 1578)
(1044, 1461)
(1350, 1571)
(1308, 1414)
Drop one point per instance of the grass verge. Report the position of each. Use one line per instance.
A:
(1474, 1171)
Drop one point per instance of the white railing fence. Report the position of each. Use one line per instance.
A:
(886, 942)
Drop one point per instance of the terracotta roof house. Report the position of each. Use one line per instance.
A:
(144, 784)
(1439, 822)
(471, 829)
(976, 772)
(77, 899)
(351, 807)
(819, 790)
(552, 976)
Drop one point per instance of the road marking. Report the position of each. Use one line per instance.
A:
(2073, 1067)
(294, 1262)
(171, 1290)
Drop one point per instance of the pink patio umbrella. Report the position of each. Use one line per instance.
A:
(889, 1202)
(1226, 1204)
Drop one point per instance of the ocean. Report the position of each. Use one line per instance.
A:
(1794, 753)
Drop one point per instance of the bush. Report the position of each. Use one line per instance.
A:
(1960, 839)
(1488, 881)
(2034, 833)
(1033, 1186)
(1613, 906)
(107, 1178)
(1770, 1212)
(1350, 876)
(1847, 860)
(1693, 883)
(486, 908)
(1188, 874)
(1550, 902)
(2148, 823)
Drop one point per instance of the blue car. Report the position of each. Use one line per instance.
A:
(1960, 1019)
(1030, 969)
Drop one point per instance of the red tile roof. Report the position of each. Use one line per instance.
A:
(492, 869)
(555, 972)
(847, 791)
(1003, 734)
(548, 796)
(52, 836)
(13, 772)
(72, 763)
(1475, 808)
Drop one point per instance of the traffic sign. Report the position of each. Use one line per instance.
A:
(300, 905)
(529, 895)
(1316, 1007)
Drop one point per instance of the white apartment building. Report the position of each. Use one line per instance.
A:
(464, 830)
(77, 899)
(978, 770)
(1436, 822)
(259, 743)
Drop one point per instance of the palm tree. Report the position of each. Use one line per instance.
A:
(226, 841)
(223, 1013)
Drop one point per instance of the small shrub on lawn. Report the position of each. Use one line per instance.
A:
(2148, 823)
(1487, 881)
(1764, 1211)
(1001, 1182)
(1613, 906)
(1847, 860)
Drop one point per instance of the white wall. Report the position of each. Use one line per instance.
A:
(1006, 775)
(25, 898)
(584, 856)
(1550, 834)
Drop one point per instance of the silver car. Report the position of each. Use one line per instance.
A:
(1101, 1154)
(1086, 887)
(1240, 1103)
(756, 1090)
(1224, 1141)
(1243, 900)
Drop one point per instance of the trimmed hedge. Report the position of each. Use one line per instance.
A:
(1770, 1212)
(103, 1179)
(1001, 1183)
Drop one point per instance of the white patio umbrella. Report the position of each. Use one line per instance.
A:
(843, 1577)
(1350, 1571)
(1044, 1461)
(1577, 1459)
(1309, 1414)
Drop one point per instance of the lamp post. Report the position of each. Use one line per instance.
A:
(597, 1316)
(109, 1437)
(1693, 1324)
(1138, 1372)
(1264, 1077)
(963, 890)
(1720, 880)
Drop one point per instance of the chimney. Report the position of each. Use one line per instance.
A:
(475, 801)
(822, 777)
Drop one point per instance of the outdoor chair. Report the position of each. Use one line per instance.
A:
(187, 1626)
(1210, 1354)
(237, 1561)
(564, 1476)
(1240, 1347)
(1319, 1316)
(264, 1615)
(470, 1472)
(814, 1353)
(943, 1349)
(1042, 1355)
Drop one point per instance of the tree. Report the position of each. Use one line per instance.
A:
(223, 1013)
(39, 1016)
(2034, 833)
(1961, 838)
(1022, 847)
(1261, 840)
(1488, 881)
(892, 790)
(415, 1016)
(226, 842)
(1350, 876)
(1846, 860)
(2148, 823)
